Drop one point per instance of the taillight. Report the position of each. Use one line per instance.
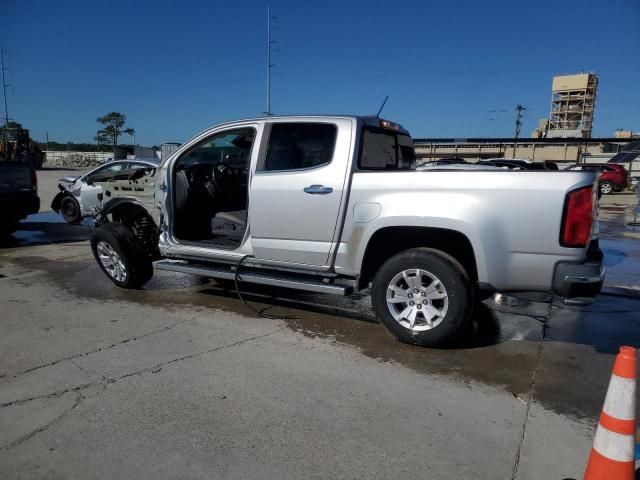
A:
(577, 218)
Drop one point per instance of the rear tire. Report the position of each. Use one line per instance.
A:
(605, 188)
(70, 209)
(120, 257)
(423, 296)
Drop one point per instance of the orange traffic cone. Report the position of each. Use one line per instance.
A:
(612, 455)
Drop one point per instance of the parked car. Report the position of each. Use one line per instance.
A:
(514, 164)
(613, 177)
(18, 194)
(334, 204)
(79, 195)
(449, 161)
(457, 166)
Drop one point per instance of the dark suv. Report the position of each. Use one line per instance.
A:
(18, 195)
(613, 177)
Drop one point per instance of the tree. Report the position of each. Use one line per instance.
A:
(113, 127)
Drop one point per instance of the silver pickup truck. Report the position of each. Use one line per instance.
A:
(334, 204)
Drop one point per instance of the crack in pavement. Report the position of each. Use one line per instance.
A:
(55, 394)
(156, 368)
(108, 380)
(15, 443)
(100, 349)
(523, 430)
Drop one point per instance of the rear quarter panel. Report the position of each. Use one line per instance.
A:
(511, 218)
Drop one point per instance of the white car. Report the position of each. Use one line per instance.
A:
(78, 197)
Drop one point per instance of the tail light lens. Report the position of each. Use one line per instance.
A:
(578, 217)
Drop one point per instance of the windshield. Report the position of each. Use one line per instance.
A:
(230, 148)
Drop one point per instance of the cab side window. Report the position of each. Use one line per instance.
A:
(296, 146)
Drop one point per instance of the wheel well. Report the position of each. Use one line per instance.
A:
(138, 219)
(389, 241)
(126, 212)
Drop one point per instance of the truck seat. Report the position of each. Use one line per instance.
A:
(230, 225)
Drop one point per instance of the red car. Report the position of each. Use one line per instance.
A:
(613, 177)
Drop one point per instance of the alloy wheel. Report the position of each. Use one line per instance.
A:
(417, 300)
(111, 261)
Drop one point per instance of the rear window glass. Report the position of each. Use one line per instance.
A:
(294, 146)
(384, 150)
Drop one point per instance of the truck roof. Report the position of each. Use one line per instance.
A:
(368, 120)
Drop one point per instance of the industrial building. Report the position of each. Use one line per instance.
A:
(565, 137)
(573, 103)
(561, 150)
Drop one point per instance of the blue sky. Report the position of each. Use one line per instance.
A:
(175, 68)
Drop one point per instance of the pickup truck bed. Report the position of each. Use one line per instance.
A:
(512, 219)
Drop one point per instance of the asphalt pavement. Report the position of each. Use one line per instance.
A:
(180, 380)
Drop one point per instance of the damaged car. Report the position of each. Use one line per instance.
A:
(79, 195)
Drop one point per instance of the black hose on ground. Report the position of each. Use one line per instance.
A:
(246, 304)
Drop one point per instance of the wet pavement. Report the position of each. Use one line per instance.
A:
(180, 380)
(621, 242)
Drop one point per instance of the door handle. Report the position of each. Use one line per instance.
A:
(318, 190)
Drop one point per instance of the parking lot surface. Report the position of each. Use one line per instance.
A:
(180, 380)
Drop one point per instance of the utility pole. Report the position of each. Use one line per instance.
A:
(4, 88)
(47, 145)
(519, 110)
(269, 64)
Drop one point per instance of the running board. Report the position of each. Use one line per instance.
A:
(248, 275)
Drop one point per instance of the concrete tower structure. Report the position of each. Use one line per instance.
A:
(573, 101)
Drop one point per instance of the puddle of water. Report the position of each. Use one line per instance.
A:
(44, 217)
(47, 227)
(613, 256)
(622, 259)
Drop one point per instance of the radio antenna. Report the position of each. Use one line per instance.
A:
(382, 106)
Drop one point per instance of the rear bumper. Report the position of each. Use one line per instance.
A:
(579, 283)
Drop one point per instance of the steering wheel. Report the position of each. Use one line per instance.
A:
(223, 179)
